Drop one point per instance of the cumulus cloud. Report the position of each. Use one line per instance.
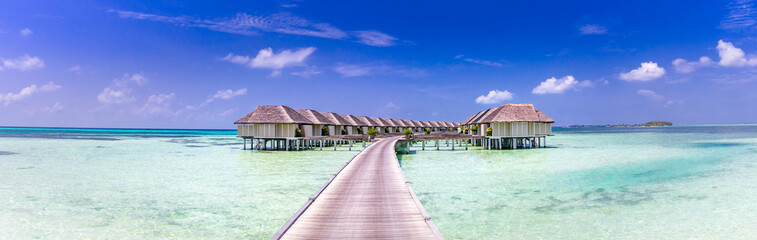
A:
(22, 63)
(558, 86)
(647, 72)
(592, 29)
(374, 38)
(221, 94)
(494, 96)
(731, 56)
(119, 91)
(25, 32)
(283, 23)
(683, 66)
(267, 58)
(26, 92)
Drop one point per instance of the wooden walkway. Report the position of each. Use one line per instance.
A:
(369, 198)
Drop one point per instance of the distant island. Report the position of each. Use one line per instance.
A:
(648, 124)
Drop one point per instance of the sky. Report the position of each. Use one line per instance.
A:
(200, 64)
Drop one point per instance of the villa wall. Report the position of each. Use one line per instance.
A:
(266, 130)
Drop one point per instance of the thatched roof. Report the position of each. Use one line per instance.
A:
(354, 121)
(315, 117)
(472, 118)
(273, 114)
(543, 117)
(380, 122)
(407, 123)
(397, 123)
(369, 122)
(416, 123)
(516, 113)
(425, 124)
(336, 118)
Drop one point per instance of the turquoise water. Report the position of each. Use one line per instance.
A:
(606, 183)
(611, 183)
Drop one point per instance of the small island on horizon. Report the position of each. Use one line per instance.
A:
(648, 124)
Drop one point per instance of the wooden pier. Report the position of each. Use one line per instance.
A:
(368, 198)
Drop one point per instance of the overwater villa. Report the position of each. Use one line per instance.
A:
(503, 127)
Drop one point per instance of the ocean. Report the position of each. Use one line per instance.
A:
(678, 182)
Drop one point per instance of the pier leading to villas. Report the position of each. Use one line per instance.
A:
(368, 198)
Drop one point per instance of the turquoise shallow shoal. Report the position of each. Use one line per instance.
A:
(592, 183)
(597, 183)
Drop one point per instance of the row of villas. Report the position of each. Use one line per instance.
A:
(510, 126)
(283, 122)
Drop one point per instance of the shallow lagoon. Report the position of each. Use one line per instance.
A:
(620, 183)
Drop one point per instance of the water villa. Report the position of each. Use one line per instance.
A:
(278, 127)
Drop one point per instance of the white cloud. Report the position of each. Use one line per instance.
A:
(651, 94)
(354, 70)
(57, 107)
(25, 32)
(731, 56)
(307, 72)
(480, 62)
(76, 69)
(283, 23)
(238, 59)
(494, 96)
(266, 58)
(374, 38)
(647, 72)
(157, 104)
(592, 29)
(558, 86)
(349, 70)
(9, 98)
(221, 94)
(119, 91)
(740, 16)
(23, 63)
(683, 66)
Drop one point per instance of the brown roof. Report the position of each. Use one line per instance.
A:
(273, 114)
(514, 113)
(336, 118)
(380, 122)
(369, 122)
(472, 117)
(417, 123)
(397, 123)
(315, 117)
(425, 123)
(407, 123)
(543, 117)
(354, 121)
(478, 118)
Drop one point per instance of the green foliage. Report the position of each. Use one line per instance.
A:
(474, 129)
(408, 133)
(658, 124)
(359, 130)
(465, 130)
(298, 133)
(372, 132)
(488, 131)
(344, 131)
(428, 131)
(325, 131)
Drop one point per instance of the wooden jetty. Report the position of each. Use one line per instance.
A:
(368, 198)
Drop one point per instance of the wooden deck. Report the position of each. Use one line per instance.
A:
(369, 198)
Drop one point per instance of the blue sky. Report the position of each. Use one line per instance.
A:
(185, 64)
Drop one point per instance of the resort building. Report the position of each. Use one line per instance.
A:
(318, 126)
(506, 126)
